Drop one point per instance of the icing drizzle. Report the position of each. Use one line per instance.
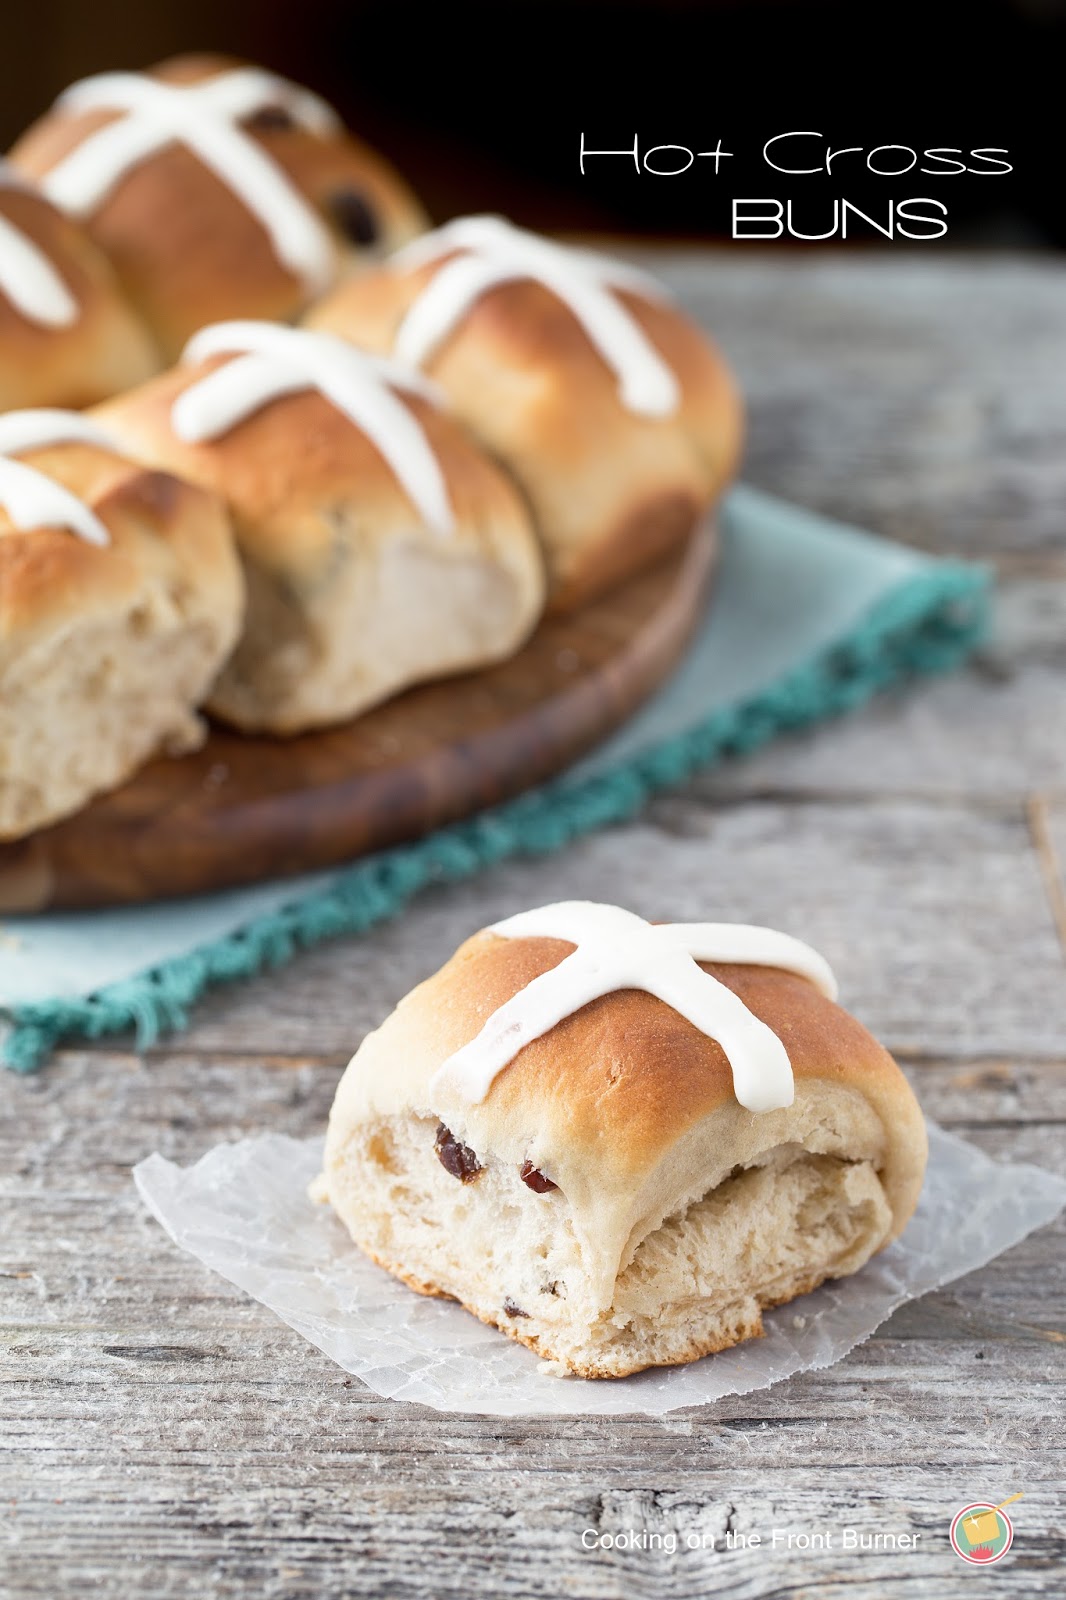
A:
(618, 950)
(491, 252)
(273, 361)
(31, 498)
(27, 278)
(205, 117)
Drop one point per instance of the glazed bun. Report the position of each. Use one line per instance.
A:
(615, 1153)
(381, 547)
(609, 406)
(67, 337)
(120, 597)
(216, 189)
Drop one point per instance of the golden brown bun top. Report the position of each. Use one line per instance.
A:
(287, 468)
(525, 325)
(626, 1105)
(162, 531)
(610, 488)
(105, 348)
(522, 346)
(187, 250)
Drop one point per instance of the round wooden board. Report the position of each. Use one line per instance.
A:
(242, 809)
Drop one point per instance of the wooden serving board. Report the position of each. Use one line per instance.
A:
(243, 808)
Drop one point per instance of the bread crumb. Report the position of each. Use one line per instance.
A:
(554, 1369)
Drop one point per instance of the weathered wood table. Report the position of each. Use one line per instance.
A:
(164, 1436)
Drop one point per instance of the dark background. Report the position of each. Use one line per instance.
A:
(482, 106)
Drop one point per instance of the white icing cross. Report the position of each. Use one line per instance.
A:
(619, 950)
(27, 278)
(31, 498)
(274, 361)
(204, 117)
(492, 252)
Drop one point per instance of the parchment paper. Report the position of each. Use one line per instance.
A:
(243, 1210)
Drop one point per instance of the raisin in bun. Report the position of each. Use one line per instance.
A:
(217, 189)
(120, 597)
(67, 337)
(618, 1142)
(381, 546)
(610, 407)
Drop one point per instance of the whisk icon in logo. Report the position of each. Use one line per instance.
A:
(981, 1534)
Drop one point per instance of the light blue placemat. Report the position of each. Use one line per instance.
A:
(807, 618)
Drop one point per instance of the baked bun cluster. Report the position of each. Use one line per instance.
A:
(618, 1142)
(483, 425)
(610, 407)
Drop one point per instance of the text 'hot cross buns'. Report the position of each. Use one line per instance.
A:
(217, 189)
(381, 547)
(611, 408)
(120, 597)
(67, 337)
(620, 1142)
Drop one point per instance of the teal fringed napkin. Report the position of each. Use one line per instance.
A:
(808, 618)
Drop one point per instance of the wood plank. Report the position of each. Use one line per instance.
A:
(1048, 822)
(996, 728)
(899, 894)
(918, 396)
(339, 1536)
